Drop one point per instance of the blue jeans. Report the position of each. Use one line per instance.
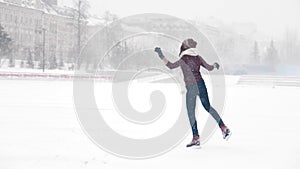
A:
(194, 90)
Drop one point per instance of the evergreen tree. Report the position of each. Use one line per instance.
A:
(255, 54)
(11, 61)
(29, 62)
(22, 64)
(53, 63)
(116, 55)
(61, 63)
(40, 64)
(5, 43)
(272, 55)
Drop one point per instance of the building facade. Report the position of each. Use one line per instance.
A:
(41, 27)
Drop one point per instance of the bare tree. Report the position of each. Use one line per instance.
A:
(80, 17)
(290, 49)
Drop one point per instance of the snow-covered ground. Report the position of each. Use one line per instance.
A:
(39, 130)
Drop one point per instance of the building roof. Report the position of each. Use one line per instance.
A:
(42, 6)
(95, 21)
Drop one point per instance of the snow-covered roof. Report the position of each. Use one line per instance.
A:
(129, 28)
(65, 11)
(29, 3)
(42, 6)
(94, 21)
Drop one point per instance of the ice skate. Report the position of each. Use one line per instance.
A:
(226, 132)
(195, 141)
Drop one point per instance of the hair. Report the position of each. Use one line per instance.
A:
(183, 47)
(186, 44)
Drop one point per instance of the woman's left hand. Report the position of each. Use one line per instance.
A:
(216, 65)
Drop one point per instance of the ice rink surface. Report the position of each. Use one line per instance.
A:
(39, 129)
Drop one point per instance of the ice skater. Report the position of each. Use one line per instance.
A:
(190, 62)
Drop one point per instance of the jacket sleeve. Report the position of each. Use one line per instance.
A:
(206, 65)
(174, 65)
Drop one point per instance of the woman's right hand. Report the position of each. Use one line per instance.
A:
(159, 52)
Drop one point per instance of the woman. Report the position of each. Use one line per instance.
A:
(190, 63)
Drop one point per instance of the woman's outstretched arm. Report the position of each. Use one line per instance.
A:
(165, 60)
(208, 66)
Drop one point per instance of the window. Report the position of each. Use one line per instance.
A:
(53, 27)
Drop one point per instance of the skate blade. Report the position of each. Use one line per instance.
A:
(228, 136)
(195, 145)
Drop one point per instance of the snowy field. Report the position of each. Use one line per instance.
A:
(39, 129)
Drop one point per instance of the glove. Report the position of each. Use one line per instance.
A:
(216, 65)
(159, 52)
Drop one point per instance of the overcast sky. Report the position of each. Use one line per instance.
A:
(271, 16)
